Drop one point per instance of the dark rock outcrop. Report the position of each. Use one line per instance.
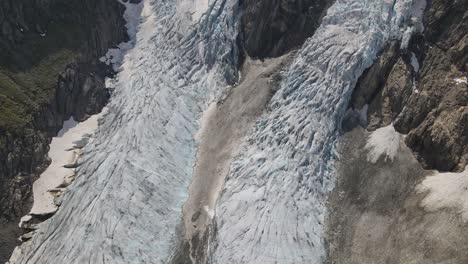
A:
(49, 71)
(272, 28)
(417, 90)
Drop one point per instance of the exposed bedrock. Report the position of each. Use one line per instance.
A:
(272, 28)
(378, 208)
(49, 71)
(423, 89)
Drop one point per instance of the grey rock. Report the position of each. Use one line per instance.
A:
(374, 78)
(376, 217)
(393, 96)
(428, 105)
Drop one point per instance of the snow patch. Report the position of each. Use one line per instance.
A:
(446, 190)
(384, 141)
(199, 7)
(461, 80)
(63, 154)
(193, 10)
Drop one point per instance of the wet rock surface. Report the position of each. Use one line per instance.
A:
(49, 71)
(423, 89)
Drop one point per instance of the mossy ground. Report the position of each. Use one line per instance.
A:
(21, 93)
(29, 66)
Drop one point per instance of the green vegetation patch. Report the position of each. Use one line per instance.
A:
(21, 93)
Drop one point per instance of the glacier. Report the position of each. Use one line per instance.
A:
(273, 205)
(126, 201)
(125, 205)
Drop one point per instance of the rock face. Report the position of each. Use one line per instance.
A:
(271, 28)
(423, 89)
(375, 213)
(49, 71)
(376, 210)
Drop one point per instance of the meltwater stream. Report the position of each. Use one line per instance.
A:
(127, 199)
(126, 202)
(272, 209)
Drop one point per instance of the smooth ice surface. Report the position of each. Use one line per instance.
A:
(446, 190)
(126, 201)
(383, 142)
(272, 207)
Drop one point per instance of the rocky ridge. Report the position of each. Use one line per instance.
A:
(423, 89)
(378, 209)
(272, 28)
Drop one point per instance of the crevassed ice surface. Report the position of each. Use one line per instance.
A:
(127, 199)
(272, 208)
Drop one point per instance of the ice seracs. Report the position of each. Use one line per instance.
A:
(273, 205)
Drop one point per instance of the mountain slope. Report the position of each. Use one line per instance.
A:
(49, 71)
(282, 131)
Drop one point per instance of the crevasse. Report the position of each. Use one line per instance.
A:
(272, 208)
(127, 199)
